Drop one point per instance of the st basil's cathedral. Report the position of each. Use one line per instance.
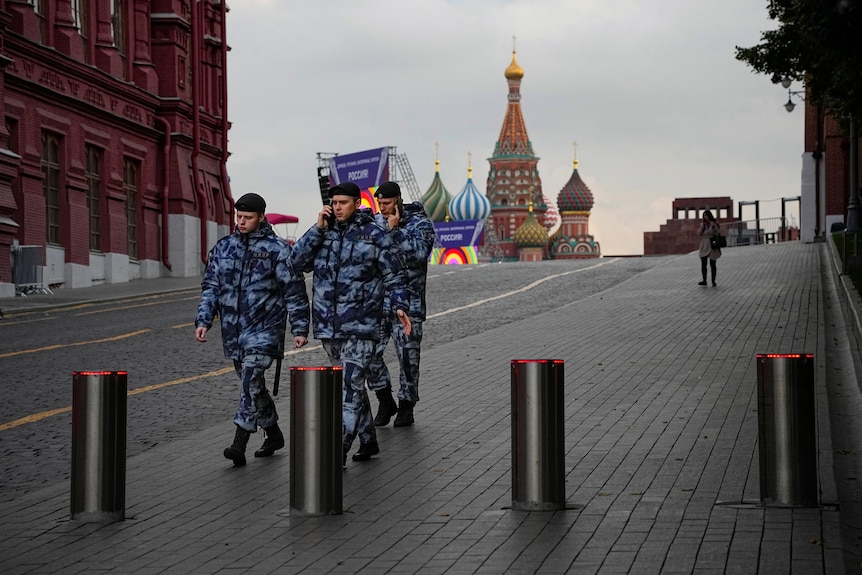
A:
(521, 223)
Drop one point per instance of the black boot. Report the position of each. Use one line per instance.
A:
(405, 413)
(236, 452)
(386, 407)
(274, 440)
(366, 451)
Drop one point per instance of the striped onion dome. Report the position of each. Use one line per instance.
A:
(531, 234)
(575, 195)
(436, 199)
(469, 203)
(552, 215)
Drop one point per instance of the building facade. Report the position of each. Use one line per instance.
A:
(678, 235)
(114, 147)
(826, 172)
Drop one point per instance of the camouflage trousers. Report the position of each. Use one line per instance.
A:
(354, 356)
(407, 350)
(255, 404)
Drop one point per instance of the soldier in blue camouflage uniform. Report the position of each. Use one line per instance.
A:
(251, 283)
(355, 267)
(413, 234)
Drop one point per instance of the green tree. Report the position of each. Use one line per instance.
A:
(818, 42)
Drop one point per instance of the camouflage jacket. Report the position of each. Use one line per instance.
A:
(252, 284)
(355, 267)
(414, 239)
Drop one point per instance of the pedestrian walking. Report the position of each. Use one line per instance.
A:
(354, 268)
(708, 229)
(251, 283)
(412, 234)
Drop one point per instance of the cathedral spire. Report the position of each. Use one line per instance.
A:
(513, 140)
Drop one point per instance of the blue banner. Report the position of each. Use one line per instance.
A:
(460, 233)
(367, 169)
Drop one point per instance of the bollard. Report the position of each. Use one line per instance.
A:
(538, 457)
(787, 430)
(316, 447)
(99, 445)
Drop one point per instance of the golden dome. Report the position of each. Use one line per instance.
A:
(514, 72)
(531, 234)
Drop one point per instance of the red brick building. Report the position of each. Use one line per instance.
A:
(678, 235)
(114, 147)
(825, 174)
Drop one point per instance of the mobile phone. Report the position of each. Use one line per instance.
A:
(330, 219)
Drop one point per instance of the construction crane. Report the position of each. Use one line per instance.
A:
(401, 173)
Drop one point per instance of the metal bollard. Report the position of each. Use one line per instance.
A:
(538, 457)
(316, 447)
(787, 430)
(99, 445)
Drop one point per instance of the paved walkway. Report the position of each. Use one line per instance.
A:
(662, 472)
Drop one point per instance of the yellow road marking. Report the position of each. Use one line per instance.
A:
(44, 414)
(61, 345)
(134, 306)
(155, 386)
(34, 418)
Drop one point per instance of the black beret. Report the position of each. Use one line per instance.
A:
(388, 190)
(250, 203)
(345, 189)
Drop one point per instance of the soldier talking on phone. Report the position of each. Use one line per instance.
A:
(356, 269)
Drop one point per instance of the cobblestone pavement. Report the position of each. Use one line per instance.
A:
(164, 351)
(661, 431)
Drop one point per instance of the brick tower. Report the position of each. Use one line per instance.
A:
(513, 177)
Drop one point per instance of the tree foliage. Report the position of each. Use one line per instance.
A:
(818, 42)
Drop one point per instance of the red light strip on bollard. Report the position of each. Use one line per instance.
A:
(317, 368)
(537, 361)
(785, 355)
(100, 373)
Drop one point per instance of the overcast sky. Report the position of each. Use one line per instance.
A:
(649, 89)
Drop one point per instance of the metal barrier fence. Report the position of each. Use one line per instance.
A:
(762, 231)
(27, 270)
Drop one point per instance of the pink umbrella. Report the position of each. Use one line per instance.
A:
(274, 219)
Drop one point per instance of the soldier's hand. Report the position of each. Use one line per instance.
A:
(323, 217)
(299, 341)
(201, 334)
(405, 321)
